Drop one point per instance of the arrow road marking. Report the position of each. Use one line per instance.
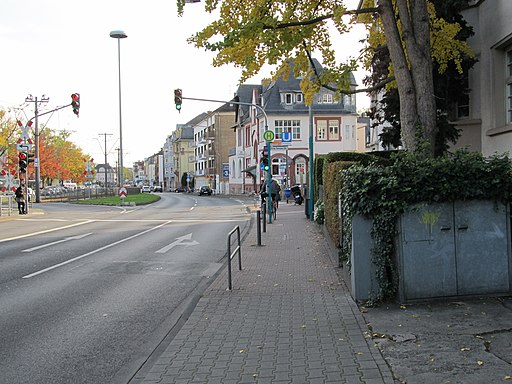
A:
(94, 251)
(57, 242)
(179, 241)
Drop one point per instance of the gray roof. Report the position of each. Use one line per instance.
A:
(244, 94)
(272, 97)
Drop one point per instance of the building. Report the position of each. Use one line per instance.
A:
(282, 110)
(486, 120)
(213, 138)
(182, 147)
(106, 172)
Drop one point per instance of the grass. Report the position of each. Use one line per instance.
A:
(138, 199)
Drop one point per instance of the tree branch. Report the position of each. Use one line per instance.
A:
(319, 19)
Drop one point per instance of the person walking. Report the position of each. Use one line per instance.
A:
(20, 199)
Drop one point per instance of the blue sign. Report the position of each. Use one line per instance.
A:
(225, 172)
(286, 137)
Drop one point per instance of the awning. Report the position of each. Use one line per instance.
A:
(251, 171)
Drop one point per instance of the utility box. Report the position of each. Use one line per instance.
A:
(454, 249)
(443, 250)
(363, 280)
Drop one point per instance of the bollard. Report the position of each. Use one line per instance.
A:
(258, 226)
(264, 218)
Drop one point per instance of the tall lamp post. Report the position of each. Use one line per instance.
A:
(119, 35)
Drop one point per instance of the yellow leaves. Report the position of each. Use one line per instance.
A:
(479, 362)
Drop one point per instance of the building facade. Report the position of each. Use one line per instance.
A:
(486, 121)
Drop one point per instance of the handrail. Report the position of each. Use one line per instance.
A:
(238, 250)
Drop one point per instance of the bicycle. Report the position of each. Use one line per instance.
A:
(274, 205)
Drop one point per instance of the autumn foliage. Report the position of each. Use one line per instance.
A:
(59, 159)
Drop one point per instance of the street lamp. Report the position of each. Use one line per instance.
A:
(119, 35)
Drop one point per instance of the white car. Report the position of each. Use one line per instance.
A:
(145, 188)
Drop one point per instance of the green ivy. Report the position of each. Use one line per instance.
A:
(383, 192)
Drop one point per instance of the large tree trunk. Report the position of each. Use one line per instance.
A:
(412, 65)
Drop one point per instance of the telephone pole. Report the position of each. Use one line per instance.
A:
(105, 153)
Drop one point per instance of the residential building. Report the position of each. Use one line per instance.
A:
(182, 140)
(332, 128)
(213, 138)
(168, 157)
(139, 174)
(486, 119)
(106, 172)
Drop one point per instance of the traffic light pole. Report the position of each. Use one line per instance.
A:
(37, 163)
(269, 172)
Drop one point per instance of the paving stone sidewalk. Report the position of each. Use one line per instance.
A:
(288, 319)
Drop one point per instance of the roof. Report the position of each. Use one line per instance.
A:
(272, 96)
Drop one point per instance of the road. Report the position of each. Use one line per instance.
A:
(88, 292)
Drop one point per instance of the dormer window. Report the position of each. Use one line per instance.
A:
(299, 98)
(288, 98)
(327, 98)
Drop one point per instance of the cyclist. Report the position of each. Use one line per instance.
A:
(275, 191)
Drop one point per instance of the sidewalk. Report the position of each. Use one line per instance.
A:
(288, 319)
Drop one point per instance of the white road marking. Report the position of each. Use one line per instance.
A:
(179, 241)
(93, 252)
(45, 231)
(78, 237)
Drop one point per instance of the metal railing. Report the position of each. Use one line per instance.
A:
(238, 250)
(6, 204)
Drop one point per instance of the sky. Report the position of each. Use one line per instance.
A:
(58, 47)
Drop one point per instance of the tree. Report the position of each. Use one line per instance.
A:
(449, 79)
(278, 32)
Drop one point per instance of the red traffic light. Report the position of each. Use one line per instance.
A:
(75, 103)
(22, 156)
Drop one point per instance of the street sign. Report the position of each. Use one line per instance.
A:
(268, 135)
(286, 137)
(24, 147)
(123, 193)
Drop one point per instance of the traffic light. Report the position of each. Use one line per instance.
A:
(178, 98)
(75, 103)
(23, 161)
(264, 160)
(30, 158)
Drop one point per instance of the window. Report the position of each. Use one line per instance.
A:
(299, 97)
(321, 130)
(327, 98)
(334, 130)
(327, 129)
(508, 80)
(287, 126)
(288, 99)
(347, 131)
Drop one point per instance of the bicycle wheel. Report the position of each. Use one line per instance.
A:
(274, 210)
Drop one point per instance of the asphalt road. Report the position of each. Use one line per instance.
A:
(87, 293)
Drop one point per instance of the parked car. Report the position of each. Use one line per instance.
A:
(158, 188)
(205, 190)
(145, 188)
(180, 189)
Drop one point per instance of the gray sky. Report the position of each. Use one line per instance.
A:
(58, 47)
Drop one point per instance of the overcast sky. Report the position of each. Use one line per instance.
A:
(58, 47)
